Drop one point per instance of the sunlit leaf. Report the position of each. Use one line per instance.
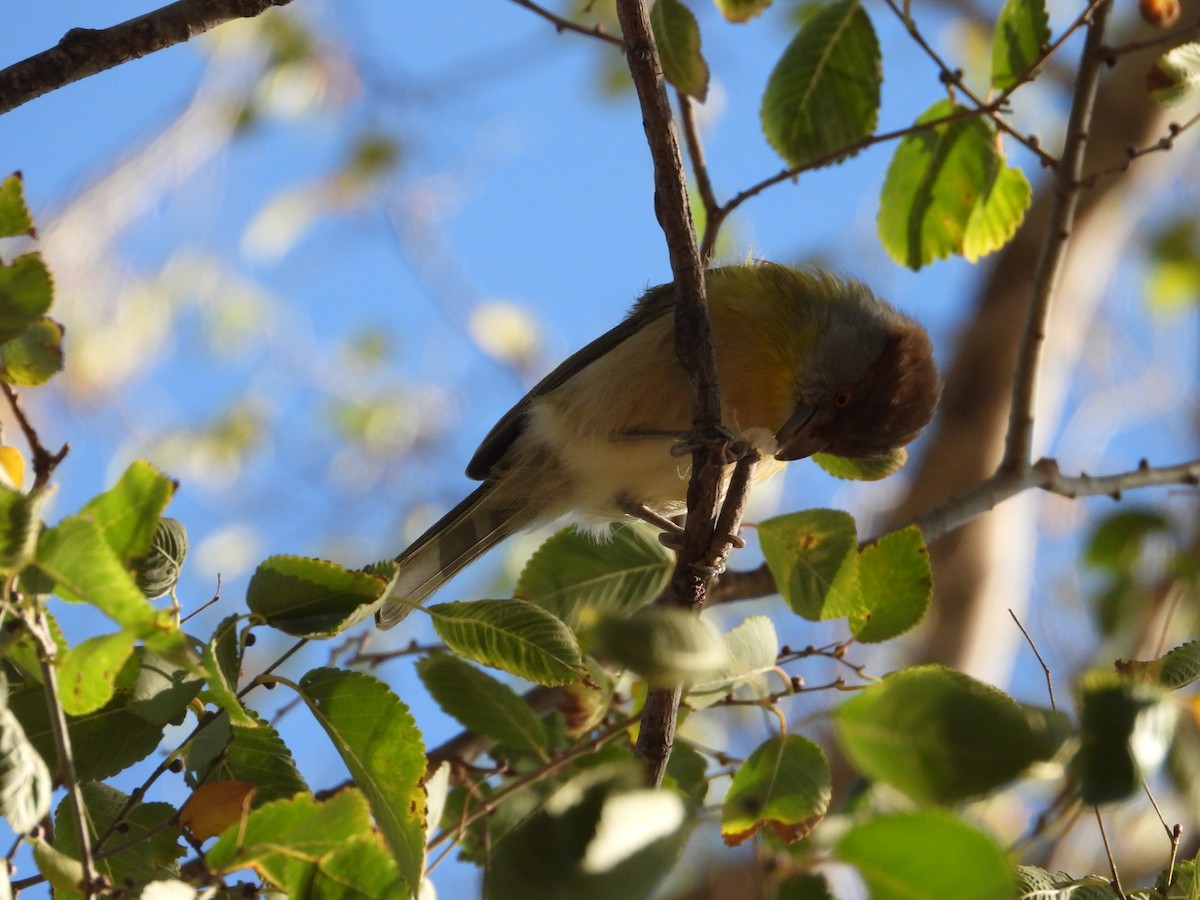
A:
(512, 635)
(929, 854)
(253, 752)
(20, 525)
(26, 291)
(214, 806)
(823, 94)
(870, 468)
(578, 578)
(25, 786)
(14, 214)
(1177, 668)
(785, 785)
(741, 10)
(897, 585)
(1175, 76)
(88, 672)
(34, 356)
(1022, 31)
(750, 649)
(944, 192)
(315, 598)
(814, 557)
(127, 514)
(663, 645)
(378, 740)
(937, 735)
(311, 849)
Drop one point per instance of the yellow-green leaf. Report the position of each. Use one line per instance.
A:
(678, 38)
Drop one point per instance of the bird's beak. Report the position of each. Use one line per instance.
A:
(797, 438)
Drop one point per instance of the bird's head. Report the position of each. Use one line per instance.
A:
(866, 392)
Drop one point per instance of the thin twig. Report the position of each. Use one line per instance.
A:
(87, 51)
(556, 765)
(704, 188)
(985, 496)
(719, 214)
(1173, 834)
(955, 77)
(1042, 662)
(1163, 144)
(596, 31)
(1112, 863)
(44, 462)
(38, 627)
(1018, 442)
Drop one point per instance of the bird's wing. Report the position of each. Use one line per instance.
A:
(654, 303)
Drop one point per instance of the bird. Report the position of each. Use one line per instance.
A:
(807, 362)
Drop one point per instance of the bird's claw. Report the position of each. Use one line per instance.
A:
(720, 441)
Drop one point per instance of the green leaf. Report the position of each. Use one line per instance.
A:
(996, 217)
(1123, 728)
(869, 468)
(25, 786)
(578, 578)
(314, 598)
(750, 649)
(253, 753)
(927, 855)
(162, 689)
(481, 703)
(937, 735)
(678, 38)
(311, 849)
(152, 847)
(1022, 31)
(127, 514)
(597, 836)
(34, 356)
(1035, 883)
(115, 737)
(741, 10)
(222, 661)
(824, 92)
(20, 524)
(1175, 669)
(379, 742)
(158, 571)
(814, 557)
(897, 585)
(1116, 543)
(664, 646)
(76, 556)
(1175, 76)
(87, 673)
(944, 192)
(785, 785)
(512, 635)
(60, 870)
(14, 214)
(26, 290)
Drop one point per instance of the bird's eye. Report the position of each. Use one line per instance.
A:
(843, 398)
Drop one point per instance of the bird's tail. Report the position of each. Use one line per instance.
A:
(456, 540)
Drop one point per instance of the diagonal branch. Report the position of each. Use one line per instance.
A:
(694, 348)
(86, 51)
(1018, 443)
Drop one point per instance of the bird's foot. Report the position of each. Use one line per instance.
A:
(720, 441)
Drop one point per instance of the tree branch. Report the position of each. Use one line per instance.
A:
(87, 51)
(985, 496)
(1018, 443)
(560, 24)
(694, 348)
